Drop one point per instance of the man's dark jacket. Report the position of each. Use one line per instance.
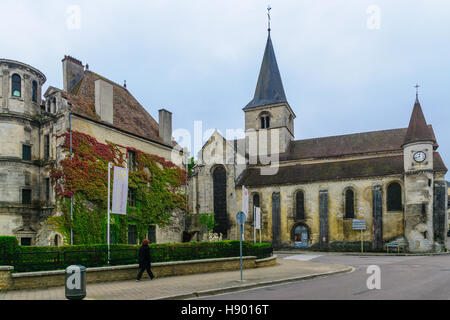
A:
(144, 256)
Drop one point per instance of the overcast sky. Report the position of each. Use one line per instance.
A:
(347, 66)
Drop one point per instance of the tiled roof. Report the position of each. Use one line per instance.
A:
(351, 144)
(129, 115)
(337, 170)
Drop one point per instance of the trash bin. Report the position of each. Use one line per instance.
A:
(75, 282)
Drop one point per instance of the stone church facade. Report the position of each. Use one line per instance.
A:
(311, 190)
(29, 127)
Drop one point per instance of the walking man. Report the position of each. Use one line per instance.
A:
(144, 260)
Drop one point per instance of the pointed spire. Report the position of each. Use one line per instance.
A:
(269, 89)
(418, 129)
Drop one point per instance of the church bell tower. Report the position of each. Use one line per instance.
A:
(269, 119)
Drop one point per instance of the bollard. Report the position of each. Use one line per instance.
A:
(75, 282)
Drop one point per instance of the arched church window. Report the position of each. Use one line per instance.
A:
(34, 91)
(16, 85)
(299, 205)
(394, 197)
(256, 202)
(349, 204)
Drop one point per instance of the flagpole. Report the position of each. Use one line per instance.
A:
(108, 233)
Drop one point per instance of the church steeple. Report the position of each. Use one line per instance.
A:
(269, 89)
(418, 130)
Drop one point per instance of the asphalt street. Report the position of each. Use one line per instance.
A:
(402, 277)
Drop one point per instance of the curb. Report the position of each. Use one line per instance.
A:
(212, 292)
(364, 254)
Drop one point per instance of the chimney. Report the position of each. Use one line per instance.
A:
(73, 71)
(165, 126)
(104, 100)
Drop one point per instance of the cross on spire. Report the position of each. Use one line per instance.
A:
(268, 16)
(417, 92)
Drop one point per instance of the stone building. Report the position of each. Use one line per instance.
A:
(29, 126)
(311, 190)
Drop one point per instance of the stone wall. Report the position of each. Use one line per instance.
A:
(32, 280)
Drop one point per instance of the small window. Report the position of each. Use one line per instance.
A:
(394, 197)
(26, 152)
(25, 241)
(349, 204)
(300, 205)
(152, 234)
(256, 202)
(46, 147)
(16, 85)
(131, 160)
(26, 196)
(34, 91)
(131, 197)
(132, 234)
(47, 189)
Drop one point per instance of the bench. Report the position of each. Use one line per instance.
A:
(394, 245)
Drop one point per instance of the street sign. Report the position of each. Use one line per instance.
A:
(257, 218)
(359, 224)
(241, 217)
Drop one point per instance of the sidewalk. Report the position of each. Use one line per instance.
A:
(189, 286)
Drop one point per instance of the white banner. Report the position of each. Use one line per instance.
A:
(120, 191)
(257, 218)
(245, 201)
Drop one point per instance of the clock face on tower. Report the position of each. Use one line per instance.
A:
(420, 156)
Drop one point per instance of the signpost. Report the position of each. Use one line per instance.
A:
(360, 224)
(245, 202)
(120, 196)
(241, 218)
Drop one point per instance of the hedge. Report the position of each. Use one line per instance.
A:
(26, 259)
(8, 246)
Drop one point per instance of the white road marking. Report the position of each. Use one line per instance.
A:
(302, 257)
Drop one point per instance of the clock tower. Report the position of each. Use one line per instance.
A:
(418, 153)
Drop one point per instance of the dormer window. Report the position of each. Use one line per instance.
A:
(16, 85)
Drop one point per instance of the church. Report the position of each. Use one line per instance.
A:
(310, 191)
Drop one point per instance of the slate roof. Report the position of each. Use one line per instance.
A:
(351, 144)
(129, 115)
(337, 170)
(269, 89)
(418, 129)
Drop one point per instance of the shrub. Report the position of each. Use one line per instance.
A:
(8, 246)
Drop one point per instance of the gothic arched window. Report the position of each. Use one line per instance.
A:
(299, 205)
(34, 91)
(16, 85)
(394, 197)
(349, 204)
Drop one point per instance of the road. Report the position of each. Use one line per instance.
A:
(402, 277)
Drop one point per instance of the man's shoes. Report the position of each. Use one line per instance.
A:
(138, 280)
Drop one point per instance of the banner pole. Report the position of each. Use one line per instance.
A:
(254, 224)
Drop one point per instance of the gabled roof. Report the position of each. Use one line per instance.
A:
(337, 170)
(129, 115)
(269, 89)
(418, 129)
(351, 144)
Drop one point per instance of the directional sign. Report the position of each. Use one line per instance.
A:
(241, 217)
(359, 224)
